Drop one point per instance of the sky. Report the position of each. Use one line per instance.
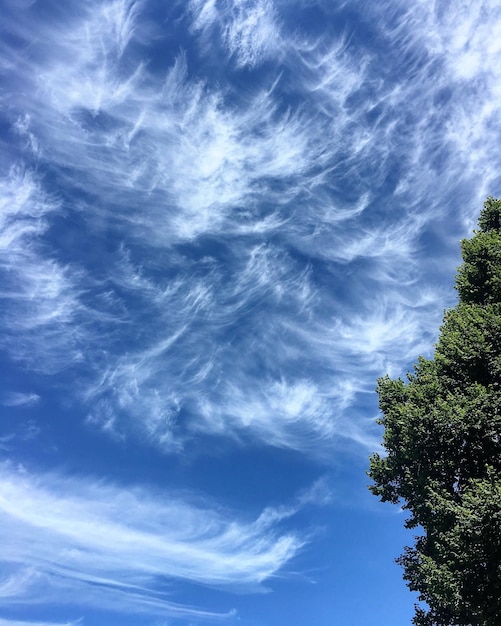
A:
(220, 222)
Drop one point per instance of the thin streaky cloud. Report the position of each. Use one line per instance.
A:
(20, 399)
(296, 198)
(32, 588)
(77, 531)
(181, 142)
(248, 29)
(39, 294)
(11, 622)
(5, 441)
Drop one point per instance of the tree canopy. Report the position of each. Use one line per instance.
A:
(442, 437)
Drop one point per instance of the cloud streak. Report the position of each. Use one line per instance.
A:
(39, 294)
(249, 29)
(92, 542)
(20, 399)
(259, 255)
(11, 622)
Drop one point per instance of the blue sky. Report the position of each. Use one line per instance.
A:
(221, 221)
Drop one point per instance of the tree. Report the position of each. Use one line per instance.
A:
(442, 436)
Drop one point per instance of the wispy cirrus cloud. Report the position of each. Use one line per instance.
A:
(249, 29)
(82, 541)
(11, 622)
(270, 246)
(39, 293)
(174, 145)
(181, 376)
(20, 399)
(453, 57)
(28, 587)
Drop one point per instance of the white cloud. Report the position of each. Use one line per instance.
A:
(284, 414)
(257, 341)
(249, 29)
(193, 162)
(66, 533)
(20, 399)
(189, 363)
(463, 58)
(11, 622)
(4, 441)
(39, 296)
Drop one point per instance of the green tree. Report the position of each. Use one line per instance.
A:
(442, 436)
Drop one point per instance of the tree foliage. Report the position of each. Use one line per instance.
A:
(443, 443)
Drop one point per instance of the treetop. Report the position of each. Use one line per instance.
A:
(490, 216)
